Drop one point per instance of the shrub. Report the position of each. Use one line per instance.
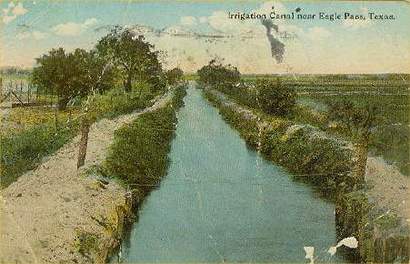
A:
(275, 98)
(301, 149)
(23, 151)
(216, 74)
(174, 76)
(139, 154)
(115, 102)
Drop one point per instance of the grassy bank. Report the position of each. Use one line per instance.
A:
(139, 154)
(383, 236)
(325, 162)
(316, 94)
(304, 150)
(391, 135)
(37, 134)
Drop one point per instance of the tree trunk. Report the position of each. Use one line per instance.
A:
(128, 84)
(62, 103)
(82, 151)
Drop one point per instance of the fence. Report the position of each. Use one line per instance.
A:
(20, 93)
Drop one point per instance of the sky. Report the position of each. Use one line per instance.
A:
(185, 32)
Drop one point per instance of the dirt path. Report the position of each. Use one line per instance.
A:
(390, 189)
(45, 209)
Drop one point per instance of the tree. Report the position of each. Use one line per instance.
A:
(359, 123)
(97, 75)
(58, 72)
(275, 98)
(174, 76)
(72, 74)
(217, 74)
(133, 56)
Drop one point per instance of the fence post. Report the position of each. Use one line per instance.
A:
(28, 93)
(36, 94)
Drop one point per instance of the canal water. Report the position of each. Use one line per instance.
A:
(222, 202)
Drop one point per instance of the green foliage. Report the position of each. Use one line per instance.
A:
(357, 121)
(174, 76)
(96, 73)
(390, 134)
(313, 157)
(275, 98)
(387, 221)
(72, 74)
(266, 94)
(139, 154)
(133, 56)
(216, 74)
(115, 102)
(57, 71)
(86, 243)
(352, 211)
(25, 150)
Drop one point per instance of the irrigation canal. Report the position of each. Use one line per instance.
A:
(223, 202)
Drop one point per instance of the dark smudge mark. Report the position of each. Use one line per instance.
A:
(277, 47)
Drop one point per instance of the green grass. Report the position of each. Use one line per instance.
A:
(139, 154)
(23, 149)
(309, 155)
(391, 135)
(389, 93)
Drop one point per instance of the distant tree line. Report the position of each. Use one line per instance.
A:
(268, 95)
(14, 71)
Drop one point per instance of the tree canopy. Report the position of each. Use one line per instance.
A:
(274, 97)
(215, 73)
(134, 57)
(174, 75)
(72, 74)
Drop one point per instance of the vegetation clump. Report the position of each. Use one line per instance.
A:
(25, 150)
(309, 154)
(217, 74)
(275, 98)
(267, 95)
(139, 154)
(88, 82)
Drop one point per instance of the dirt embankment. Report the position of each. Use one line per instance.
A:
(57, 214)
(389, 189)
(377, 215)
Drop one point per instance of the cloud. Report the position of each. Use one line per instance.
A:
(318, 33)
(188, 21)
(19, 10)
(8, 19)
(203, 20)
(13, 11)
(74, 29)
(37, 35)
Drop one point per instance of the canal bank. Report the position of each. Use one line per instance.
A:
(370, 213)
(222, 201)
(59, 214)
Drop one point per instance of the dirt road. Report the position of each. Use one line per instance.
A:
(45, 210)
